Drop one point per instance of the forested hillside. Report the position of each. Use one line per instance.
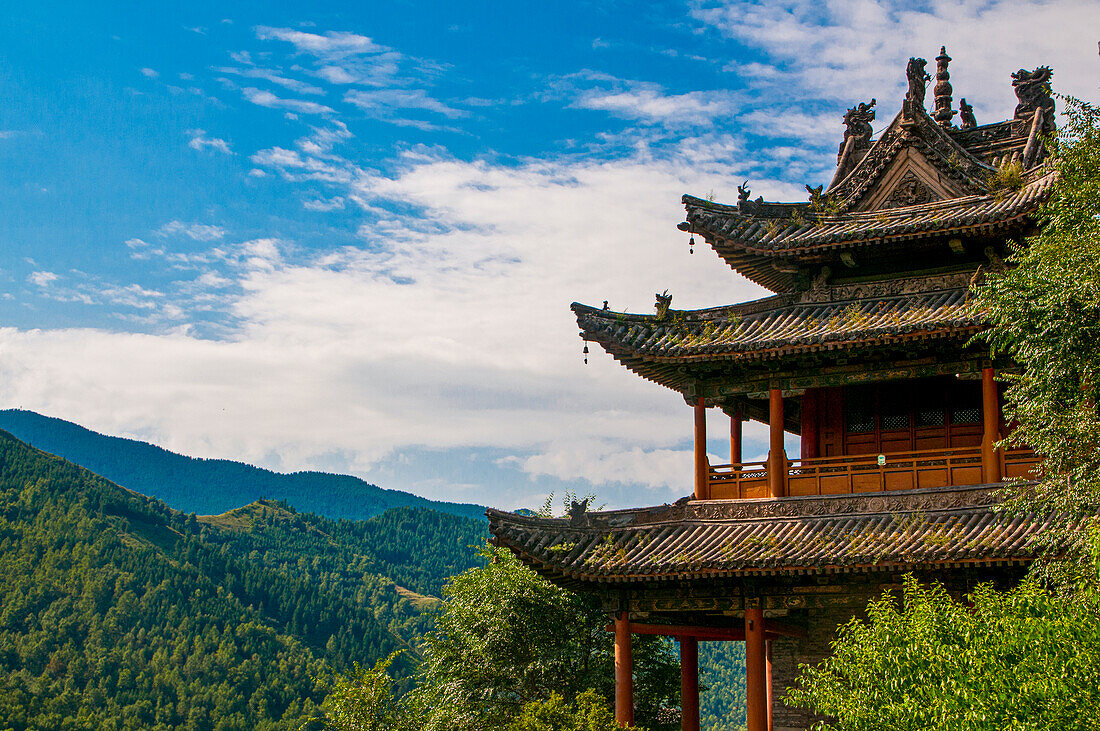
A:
(722, 681)
(210, 485)
(119, 612)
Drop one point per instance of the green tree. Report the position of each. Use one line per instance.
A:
(1045, 315)
(589, 713)
(1021, 660)
(363, 700)
(507, 637)
(510, 647)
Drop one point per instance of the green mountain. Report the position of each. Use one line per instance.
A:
(209, 486)
(722, 677)
(117, 612)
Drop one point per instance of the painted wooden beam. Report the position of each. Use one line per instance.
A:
(727, 634)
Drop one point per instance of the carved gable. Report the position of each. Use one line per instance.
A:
(915, 161)
(910, 179)
(909, 191)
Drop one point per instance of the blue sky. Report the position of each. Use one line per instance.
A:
(345, 236)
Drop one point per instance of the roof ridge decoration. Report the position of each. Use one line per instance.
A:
(857, 138)
(943, 90)
(1033, 93)
(922, 180)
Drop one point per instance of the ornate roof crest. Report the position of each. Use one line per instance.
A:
(917, 78)
(1033, 92)
(664, 301)
(942, 90)
(857, 127)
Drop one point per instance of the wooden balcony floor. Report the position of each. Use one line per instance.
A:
(867, 473)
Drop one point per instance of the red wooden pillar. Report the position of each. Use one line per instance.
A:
(689, 684)
(777, 456)
(768, 653)
(735, 436)
(756, 670)
(624, 671)
(702, 468)
(991, 426)
(810, 424)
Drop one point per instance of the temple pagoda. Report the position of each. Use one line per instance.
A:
(866, 351)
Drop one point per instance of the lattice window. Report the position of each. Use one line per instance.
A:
(966, 415)
(893, 422)
(932, 416)
(859, 411)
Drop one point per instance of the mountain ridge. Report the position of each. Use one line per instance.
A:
(211, 486)
(117, 611)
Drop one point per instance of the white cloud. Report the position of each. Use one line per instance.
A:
(324, 204)
(852, 50)
(647, 102)
(293, 165)
(337, 75)
(195, 231)
(131, 295)
(330, 45)
(383, 103)
(267, 99)
(199, 141)
(42, 278)
(149, 73)
(274, 77)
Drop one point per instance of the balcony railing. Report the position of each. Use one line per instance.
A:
(867, 472)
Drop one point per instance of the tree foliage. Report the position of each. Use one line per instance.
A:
(722, 701)
(1045, 315)
(1021, 660)
(363, 700)
(507, 637)
(507, 641)
(590, 712)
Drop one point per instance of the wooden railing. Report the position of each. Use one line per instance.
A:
(867, 473)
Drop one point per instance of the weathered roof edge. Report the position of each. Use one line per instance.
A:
(567, 543)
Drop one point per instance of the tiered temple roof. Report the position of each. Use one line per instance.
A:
(884, 257)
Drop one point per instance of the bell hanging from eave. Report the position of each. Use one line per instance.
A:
(585, 351)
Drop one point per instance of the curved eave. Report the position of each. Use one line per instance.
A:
(729, 539)
(757, 332)
(734, 234)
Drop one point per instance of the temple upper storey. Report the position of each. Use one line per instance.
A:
(926, 194)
